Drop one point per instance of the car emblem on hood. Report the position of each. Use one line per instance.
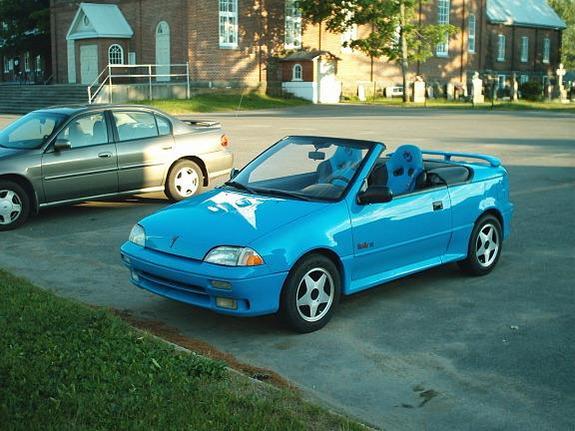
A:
(174, 239)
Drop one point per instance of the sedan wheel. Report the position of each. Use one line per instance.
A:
(14, 205)
(184, 180)
(310, 294)
(484, 247)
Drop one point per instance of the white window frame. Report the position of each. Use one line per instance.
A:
(501, 42)
(523, 79)
(6, 65)
(118, 54)
(501, 81)
(349, 35)
(27, 62)
(228, 23)
(443, 13)
(524, 49)
(297, 69)
(38, 63)
(471, 29)
(546, 50)
(292, 26)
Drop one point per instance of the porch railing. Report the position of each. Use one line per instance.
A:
(141, 73)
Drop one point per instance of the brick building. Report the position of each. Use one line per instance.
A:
(243, 42)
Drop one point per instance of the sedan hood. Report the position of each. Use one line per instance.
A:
(221, 217)
(6, 153)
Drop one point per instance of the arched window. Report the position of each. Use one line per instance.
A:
(115, 54)
(297, 73)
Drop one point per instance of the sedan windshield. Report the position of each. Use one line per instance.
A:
(305, 168)
(30, 131)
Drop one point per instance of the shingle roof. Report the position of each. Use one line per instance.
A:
(102, 20)
(307, 55)
(528, 13)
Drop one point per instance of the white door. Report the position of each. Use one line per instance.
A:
(163, 51)
(329, 86)
(88, 63)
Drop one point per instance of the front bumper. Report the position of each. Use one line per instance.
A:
(192, 282)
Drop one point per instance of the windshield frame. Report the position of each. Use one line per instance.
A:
(371, 146)
(63, 119)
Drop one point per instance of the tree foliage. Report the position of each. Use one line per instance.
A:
(24, 25)
(394, 30)
(566, 9)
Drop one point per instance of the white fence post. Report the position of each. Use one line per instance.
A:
(150, 81)
(188, 81)
(111, 84)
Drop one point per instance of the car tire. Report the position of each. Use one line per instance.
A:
(310, 294)
(14, 205)
(485, 247)
(185, 180)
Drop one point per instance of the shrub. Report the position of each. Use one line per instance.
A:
(531, 90)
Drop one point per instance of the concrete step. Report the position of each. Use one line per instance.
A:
(20, 99)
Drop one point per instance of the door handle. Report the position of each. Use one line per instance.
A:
(167, 147)
(105, 155)
(437, 206)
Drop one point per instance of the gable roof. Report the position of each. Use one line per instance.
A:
(95, 20)
(308, 55)
(528, 13)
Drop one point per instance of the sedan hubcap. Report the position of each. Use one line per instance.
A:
(315, 295)
(10, 206)
(186, 182)
(487, 245)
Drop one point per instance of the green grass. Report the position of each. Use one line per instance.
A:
(521, 105)
(67, 366)
(221, 102)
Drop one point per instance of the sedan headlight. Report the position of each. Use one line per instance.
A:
(138, 236)
(233, 256)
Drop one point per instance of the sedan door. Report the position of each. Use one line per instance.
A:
(394, 238)
(88, 167)
(145, 149)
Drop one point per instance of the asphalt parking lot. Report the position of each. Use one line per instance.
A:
(435, 351)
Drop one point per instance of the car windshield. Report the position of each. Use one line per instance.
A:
(30, 131)
(306, 168)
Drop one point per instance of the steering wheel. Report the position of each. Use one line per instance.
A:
(333, 178)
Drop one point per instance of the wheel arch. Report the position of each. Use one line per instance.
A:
(27, 186)
(495, 213)
(197, 161)
(330, 254)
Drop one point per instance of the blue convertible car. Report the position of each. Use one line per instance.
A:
(313, 218)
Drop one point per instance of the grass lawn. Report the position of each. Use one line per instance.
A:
(521, 105)
(218, 102)
(68, 366)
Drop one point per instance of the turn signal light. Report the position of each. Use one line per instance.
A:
(254, 260)
(224, 141)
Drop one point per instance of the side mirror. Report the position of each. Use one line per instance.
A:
(62, 144)
(234, 172)
(375, 195)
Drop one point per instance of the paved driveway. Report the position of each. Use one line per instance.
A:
(434, 351)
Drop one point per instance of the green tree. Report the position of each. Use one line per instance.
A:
(566, 9)
(395, 32)
(24, 26)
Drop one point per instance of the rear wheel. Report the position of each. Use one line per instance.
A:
(311, 294)
(184, 180)
(485, 246)
(14, 205)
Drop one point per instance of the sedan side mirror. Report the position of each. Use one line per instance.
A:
(62, 144)
(375, 195)
(234, 172)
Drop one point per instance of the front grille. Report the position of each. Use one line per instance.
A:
(171, 284)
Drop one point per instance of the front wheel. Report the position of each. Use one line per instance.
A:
(184, 180)
(311, 294)
(485, 247)
(14, 205)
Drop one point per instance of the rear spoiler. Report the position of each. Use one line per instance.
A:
(202, 123)
(493, 161)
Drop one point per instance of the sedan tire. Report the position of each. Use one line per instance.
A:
(485, 247)
(310, 294)
(185, 180)
(14, 205)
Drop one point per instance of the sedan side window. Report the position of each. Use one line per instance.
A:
(164, 126)
(86, 131)
(135, 125)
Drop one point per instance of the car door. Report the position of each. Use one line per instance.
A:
(145, 149)
(88, 168)
(391, 239)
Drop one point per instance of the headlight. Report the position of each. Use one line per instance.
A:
(233, 256)
(138, 236)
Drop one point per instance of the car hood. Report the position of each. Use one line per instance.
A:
(221, 217)
(6, 153)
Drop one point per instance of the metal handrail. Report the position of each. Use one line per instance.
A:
(108, 79)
